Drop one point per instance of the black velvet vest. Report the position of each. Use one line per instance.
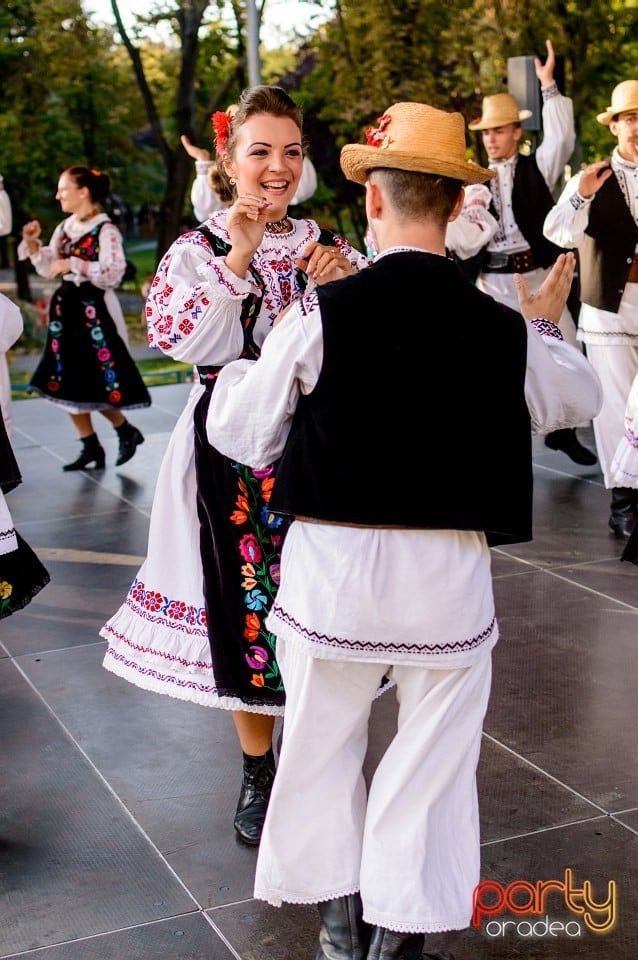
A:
(418, 418)
(531, 202)
(608, 248)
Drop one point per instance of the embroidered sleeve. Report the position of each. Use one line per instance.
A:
(357, 260)
(194, 305)
(547, 328)
(562, 389)
(550, 91)
(566, 222)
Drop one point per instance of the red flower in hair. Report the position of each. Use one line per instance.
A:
(221, 125)
(376, 136)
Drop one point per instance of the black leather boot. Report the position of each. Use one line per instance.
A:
(344, 935)
(624, 511)
(92, 452)
(259, 773)
(388, 945)
(567, 441)
(130, 439)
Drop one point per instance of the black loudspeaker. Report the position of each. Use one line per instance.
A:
(523, 84)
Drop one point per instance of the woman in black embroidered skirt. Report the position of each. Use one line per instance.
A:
(86, 365)
(192, 625)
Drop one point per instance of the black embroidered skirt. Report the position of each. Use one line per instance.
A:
(85, 363)
(22, 576)
(240, 542)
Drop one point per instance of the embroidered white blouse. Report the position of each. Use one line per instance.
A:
(343, 589)
(195, 302)
(105, 273)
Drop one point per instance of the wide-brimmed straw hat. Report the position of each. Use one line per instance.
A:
(497, 111)
(414, 137)
(623, 97)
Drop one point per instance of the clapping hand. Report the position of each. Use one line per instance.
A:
(549, 301)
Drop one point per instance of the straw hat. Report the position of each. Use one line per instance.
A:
(499, 110)
(416, 137)
(624, 97)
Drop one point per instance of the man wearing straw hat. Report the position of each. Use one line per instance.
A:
(598, 213)
(403, 428)
(521, 196)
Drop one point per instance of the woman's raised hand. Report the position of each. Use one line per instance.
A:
(30, 234)
(247, 219)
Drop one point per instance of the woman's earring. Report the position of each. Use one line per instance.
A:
(232, 181)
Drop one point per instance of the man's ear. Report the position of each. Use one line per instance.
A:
(458, 206)
(374, 200)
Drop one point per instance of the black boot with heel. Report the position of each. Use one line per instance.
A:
(130, 438)
(344, 935)
(567, 441)
(259, 773)
(388, 945)
(92, 453)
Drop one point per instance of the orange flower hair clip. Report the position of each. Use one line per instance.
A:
(221, 121)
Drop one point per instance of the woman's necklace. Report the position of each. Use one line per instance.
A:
(279, 226)
(88, 216)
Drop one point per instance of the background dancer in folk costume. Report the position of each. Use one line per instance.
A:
(192, 625)
(86, 365)
(520, 197)
(597, 213)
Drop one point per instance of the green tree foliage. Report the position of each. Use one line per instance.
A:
(63, 100)
(451, 54)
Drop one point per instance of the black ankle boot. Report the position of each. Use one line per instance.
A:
(343, 935)
(259, 773)
(624, 511)
(92, 452)
(130, 438)
(387, 945)
(567, 441)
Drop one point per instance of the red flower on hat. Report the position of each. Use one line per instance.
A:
(376, 136)
(221, 125)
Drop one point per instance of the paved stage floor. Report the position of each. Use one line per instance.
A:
(116, 839)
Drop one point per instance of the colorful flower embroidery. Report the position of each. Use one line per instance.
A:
(249, 548)
(259, 548)
(252, 627)
(6, 589)
(258, 658)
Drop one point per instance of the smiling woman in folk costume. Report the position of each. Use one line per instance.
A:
(86, 366)
(192, 625)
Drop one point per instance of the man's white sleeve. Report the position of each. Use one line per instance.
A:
(254, 401)
(562, 389)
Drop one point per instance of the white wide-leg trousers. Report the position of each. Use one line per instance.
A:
(412, 846)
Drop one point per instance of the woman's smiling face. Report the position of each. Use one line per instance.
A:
(267, 160)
